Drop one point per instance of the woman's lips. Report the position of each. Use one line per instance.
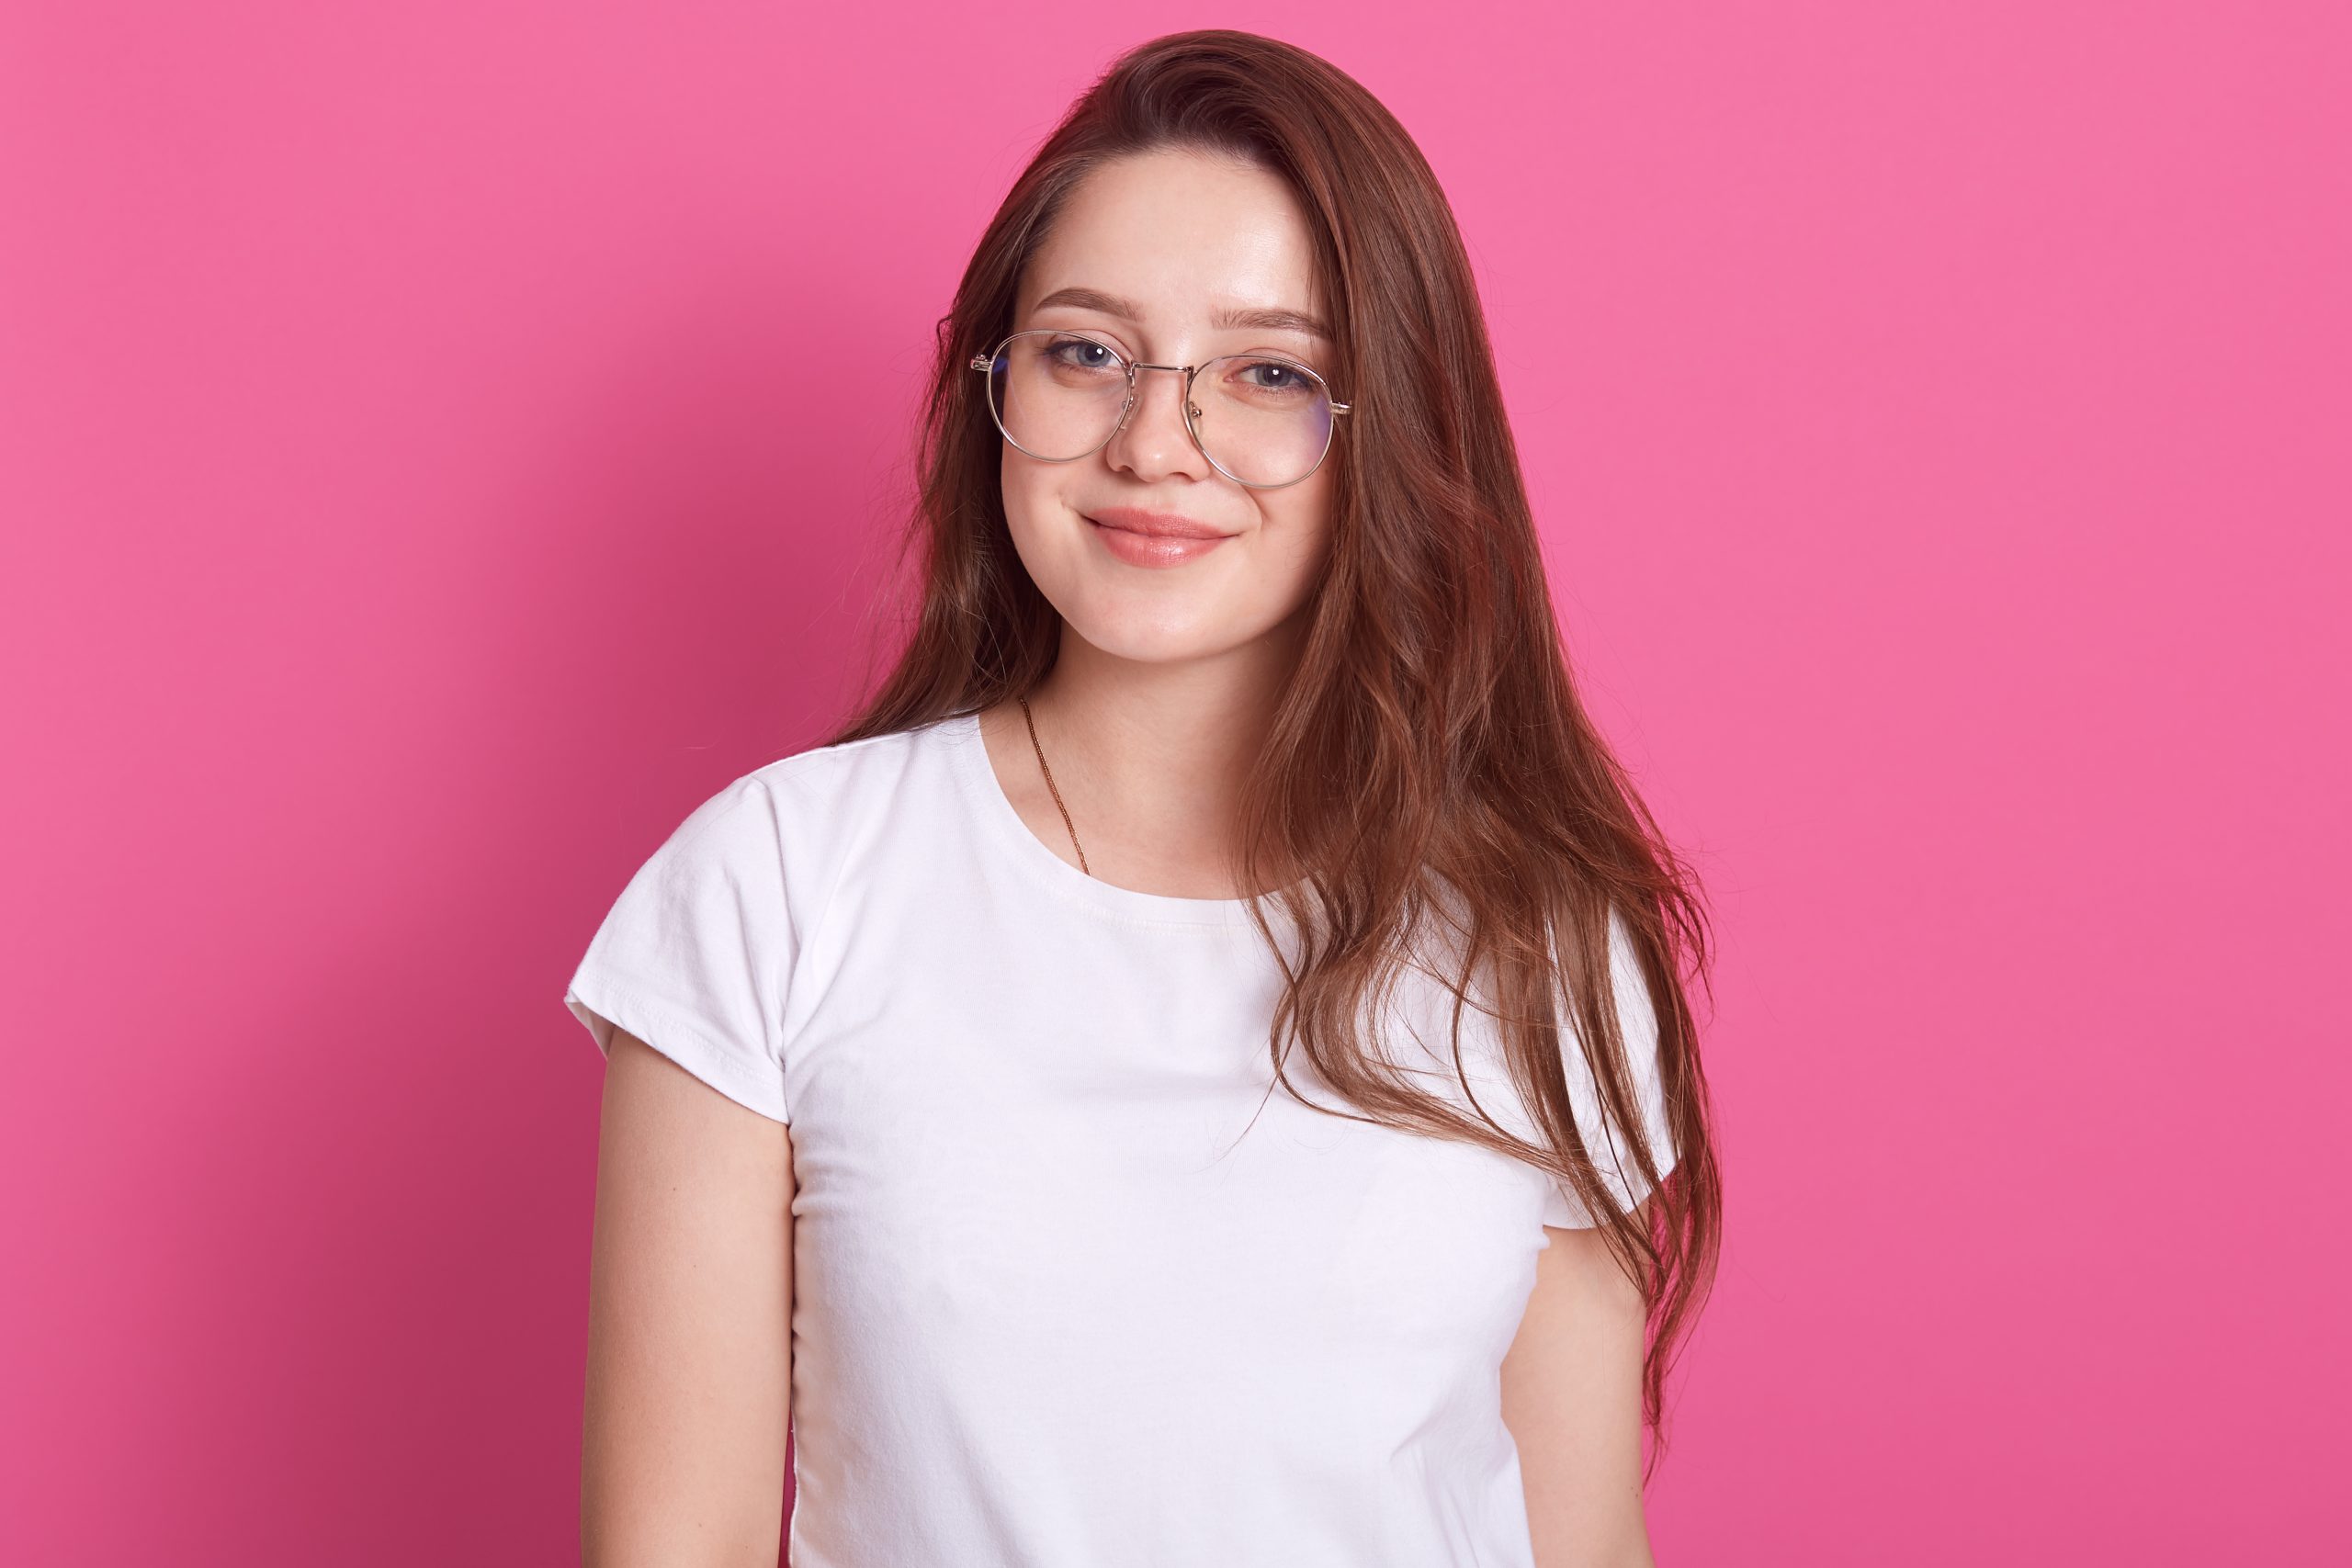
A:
(1162, 545)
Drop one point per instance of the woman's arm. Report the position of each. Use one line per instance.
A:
(1572, 1398)
(689, 1369)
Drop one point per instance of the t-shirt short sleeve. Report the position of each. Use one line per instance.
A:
(693, 956)
(1637, 1022)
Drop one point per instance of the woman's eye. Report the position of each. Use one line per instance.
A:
(1081, 353)
(1271, 377)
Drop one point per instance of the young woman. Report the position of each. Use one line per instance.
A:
(1190, 1075)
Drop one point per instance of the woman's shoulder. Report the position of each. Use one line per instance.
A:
(831, 795)
(794, 824)
(844, 765)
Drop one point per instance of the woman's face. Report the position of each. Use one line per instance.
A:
(1143, 255)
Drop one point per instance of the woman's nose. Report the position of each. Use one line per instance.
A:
(1153, 423)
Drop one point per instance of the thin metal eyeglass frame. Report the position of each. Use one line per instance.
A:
(986, 362)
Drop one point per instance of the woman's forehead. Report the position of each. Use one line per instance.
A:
(1170, 238)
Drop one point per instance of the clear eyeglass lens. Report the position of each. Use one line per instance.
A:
(1058, 396)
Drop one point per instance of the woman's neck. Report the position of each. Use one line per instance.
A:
(1150, 761)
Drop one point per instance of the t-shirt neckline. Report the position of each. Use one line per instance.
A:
(1016, 845)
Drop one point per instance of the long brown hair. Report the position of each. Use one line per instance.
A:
(1432, 677)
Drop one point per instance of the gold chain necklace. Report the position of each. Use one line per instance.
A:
(1050, 785)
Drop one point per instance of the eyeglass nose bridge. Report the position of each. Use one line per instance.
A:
(1191, 410)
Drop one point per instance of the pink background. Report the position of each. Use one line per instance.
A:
(442, 444)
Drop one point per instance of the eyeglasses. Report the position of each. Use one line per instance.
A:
(1262, 420)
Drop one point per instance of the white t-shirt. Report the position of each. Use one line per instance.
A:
(1053, 1306)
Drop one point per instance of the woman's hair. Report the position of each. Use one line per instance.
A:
(1430, 759)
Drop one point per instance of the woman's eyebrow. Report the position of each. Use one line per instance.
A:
(1251, 318)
